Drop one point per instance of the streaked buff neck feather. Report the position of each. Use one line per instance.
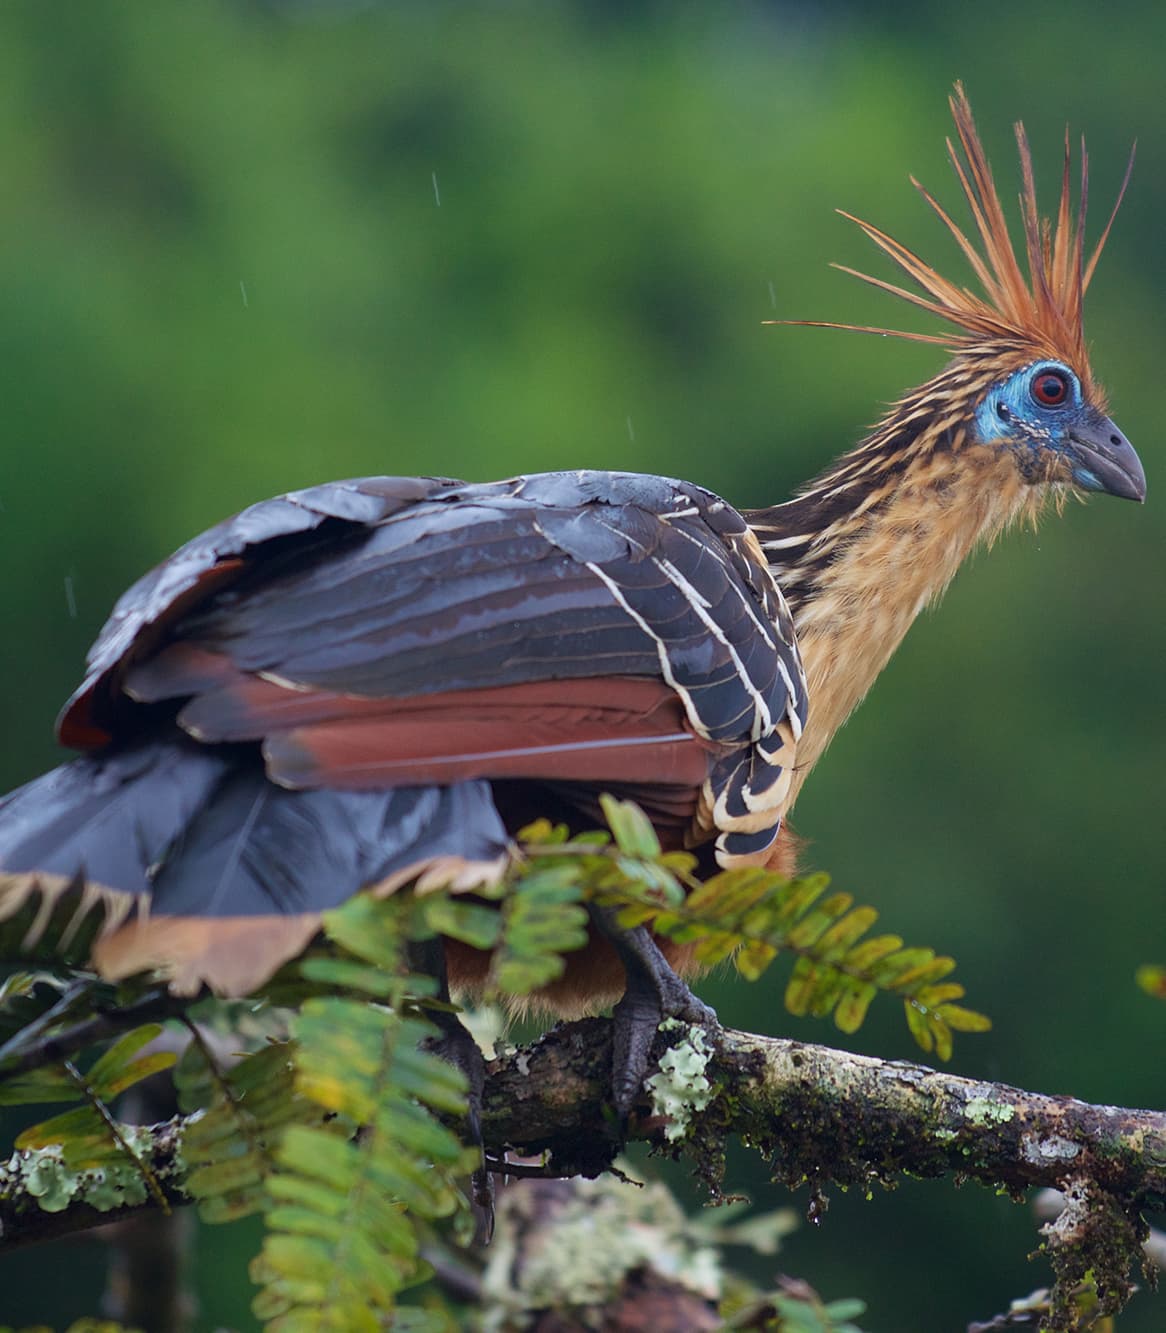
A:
(900, 527)
(902, 563)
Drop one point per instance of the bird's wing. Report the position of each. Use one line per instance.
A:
(297, 525)
(394, 647)
(585, 627)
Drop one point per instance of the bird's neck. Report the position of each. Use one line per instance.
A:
(873, 541)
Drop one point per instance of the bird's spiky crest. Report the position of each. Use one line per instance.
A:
(1044, 307)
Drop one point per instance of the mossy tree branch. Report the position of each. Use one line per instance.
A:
(827, 1115)
(819, 1116)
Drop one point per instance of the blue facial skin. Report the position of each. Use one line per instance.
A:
(1011, 416)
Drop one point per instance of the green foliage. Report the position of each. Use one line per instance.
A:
(354, 1193)
(88, 1135)
(542, 916)
(752, 915)
(244, 1110)
(40, 1009)
(749, 915)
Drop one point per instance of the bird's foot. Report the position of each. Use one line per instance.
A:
(653, 993)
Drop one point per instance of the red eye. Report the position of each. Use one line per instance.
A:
(1050, 388)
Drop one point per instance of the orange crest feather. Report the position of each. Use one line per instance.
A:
(1044, 306)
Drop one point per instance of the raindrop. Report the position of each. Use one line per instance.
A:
(243, 292)
(436, 191)
(70, 597)
(772, 295)
(631, 431)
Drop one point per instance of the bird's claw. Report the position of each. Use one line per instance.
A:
(653, 993)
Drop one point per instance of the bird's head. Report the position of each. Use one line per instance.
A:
(1047, 418)
(1020, 384)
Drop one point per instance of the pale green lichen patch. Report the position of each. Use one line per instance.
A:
(42, 1175)
(987, 1111)
(681, 1088)
(115, 1187)
(49, 1181)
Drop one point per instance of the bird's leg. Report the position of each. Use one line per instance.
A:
(652, 993)
(455, 1045)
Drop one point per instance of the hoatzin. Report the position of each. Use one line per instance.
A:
(379, 681)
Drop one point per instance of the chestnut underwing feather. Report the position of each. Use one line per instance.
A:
(387, 751)
(243, 707)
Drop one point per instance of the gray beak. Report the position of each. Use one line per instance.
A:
(1104, 460)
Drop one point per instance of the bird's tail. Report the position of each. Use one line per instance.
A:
(173, 856)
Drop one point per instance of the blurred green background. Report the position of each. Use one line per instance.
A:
(246, 247)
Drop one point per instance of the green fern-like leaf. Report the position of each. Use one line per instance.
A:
(50, 1084)
(475, 924)
(246, 1109)
(351, 1207)
(543, 918)
(630, 827)
(751, 915)
(355, 1192)
(88, 1136)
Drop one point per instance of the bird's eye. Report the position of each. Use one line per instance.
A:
(1050, 388)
